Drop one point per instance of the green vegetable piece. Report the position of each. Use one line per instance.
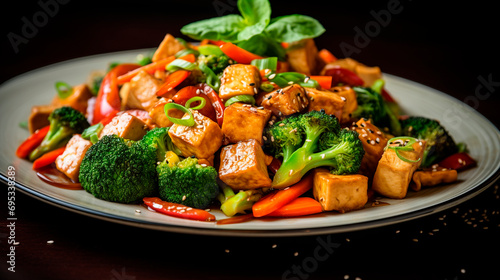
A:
(64, 90)
(406, 144)
(92, 133)
(247, 99)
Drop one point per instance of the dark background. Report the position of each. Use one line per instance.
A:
(449, 47)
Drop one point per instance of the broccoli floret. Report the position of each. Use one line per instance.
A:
(119, 170)
(323, 144)
(232, 204)
(159, 140)
(186, 182)
(440, 144)
(372, 106)
(215, 62)
(64, 122)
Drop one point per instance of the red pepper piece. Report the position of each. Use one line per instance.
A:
(108, 99)
(301, 206)
(48, 158)
(343, 76)
(186, 93)
(178, 210)
(238, 54)
(215, 100)
(458, 161)
(33, 141)
(149, 68)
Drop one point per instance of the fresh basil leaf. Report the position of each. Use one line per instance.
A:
(263, 45)
(224, 28)
(255, 11)
(294, 28)
(250, 31)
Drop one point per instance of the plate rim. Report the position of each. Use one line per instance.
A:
(219, 231)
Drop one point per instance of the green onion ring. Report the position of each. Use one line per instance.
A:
(186, 122)
(408, 146)
(180, 64)
(248, 99)
(64, 90)
(194, 99)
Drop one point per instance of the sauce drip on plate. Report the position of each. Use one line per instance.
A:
(50, 175)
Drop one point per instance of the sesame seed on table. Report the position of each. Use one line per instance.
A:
(429, 43)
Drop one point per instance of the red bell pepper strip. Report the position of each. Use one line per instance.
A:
(238, 54)
(301, 206)
(186, 93)
(236, 219)
(344, 76)
(173, 80)
(33, 141)
(458, 161)
(48, 158)
(150, 68)
(216, 102)
(178, 210)
(324, 81)
(108, 99)
(279, 198)
(387, 96)
(326, 56)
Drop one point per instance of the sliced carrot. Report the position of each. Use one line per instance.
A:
(150, 68)
(48, 158)
(279, 198)
(33, 141)
(301, 206)
(324, 81)
(238, 54)
(326, 56)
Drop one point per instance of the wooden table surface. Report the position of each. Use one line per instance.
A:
(449, 48)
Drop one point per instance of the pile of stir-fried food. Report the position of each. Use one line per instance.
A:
(262, 123)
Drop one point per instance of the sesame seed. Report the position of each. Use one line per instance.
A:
(343, 98)
(274, 246)
(255, 90)
(372, 142)
(306, 79)
(227, 251)
(137, 211)
(264, 137)
(50, 241)
(272, 76)
(252, 84)
(296, 254)
(183, 197)
(198, 91)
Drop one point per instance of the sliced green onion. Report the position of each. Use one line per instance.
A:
(378, 85)
(202, 104)
(184, 52)
(64, 90)
(248, 99)
(212, 80)
(183, 42)
(178, 64)
(143, 60)
(266, 87)
(23, 124)
(408, 146)
(210, 50)
(92, 133)
(270, 63)
(289, 78)
(186, 122)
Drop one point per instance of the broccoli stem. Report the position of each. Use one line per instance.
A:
(232, 204)
(54, 139)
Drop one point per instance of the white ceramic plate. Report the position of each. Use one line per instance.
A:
(464, 124)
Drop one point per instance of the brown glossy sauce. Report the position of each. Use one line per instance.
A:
(50, 175)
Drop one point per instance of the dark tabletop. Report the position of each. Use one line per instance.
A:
(451, 48)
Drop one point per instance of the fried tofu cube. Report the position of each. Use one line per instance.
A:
(126, 126)
(243, 122)
(77, 100)
(243, 166)
(347, 94)
(393, 175)
(430, 178)
(140, 92)
(201, 140)
(239, 79)
(69, 162)
(340, 192)
(302, 56)
(374, 142)
(368, 74)
(332, 103)
(286, 101)
(39, 116)
(157, 113)
(168, 47)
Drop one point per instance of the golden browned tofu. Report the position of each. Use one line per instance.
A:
(201, 140)
(302, 56)
(368, 74)
(39, 116)
(168, 47)
(243, 166)
(340, 192)
(347, 63)
(332, 103)
(347, 94)
(69, 162)
(140, 92)
(243, 122)
(374, 142)
(239, 79)
(393, 175)
(126, 126)
(157, 113)
(430, 178)
(286, 101)
(77, 100)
